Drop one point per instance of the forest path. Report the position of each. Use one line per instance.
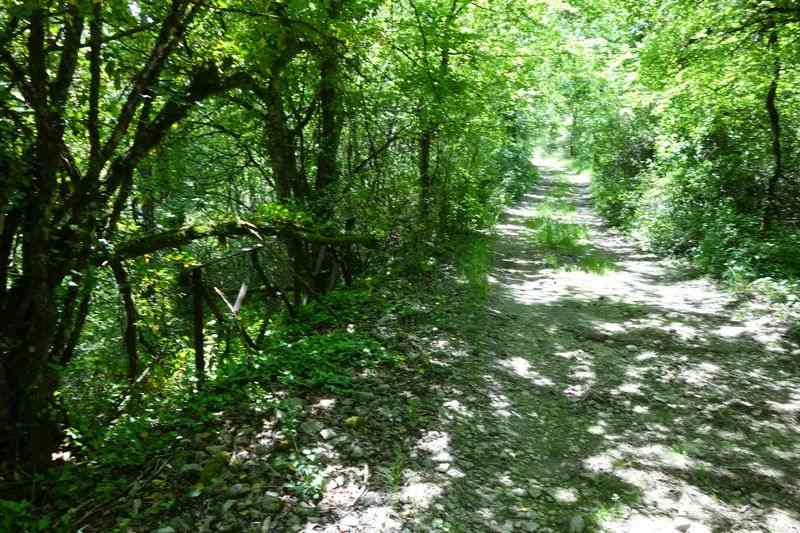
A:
(602, 390)
(593, 388)
(623, 393)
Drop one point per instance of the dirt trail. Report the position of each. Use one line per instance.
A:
(600, 390)
(649, 401)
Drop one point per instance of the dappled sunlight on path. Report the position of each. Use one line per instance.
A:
(600, 389)
(656, 386)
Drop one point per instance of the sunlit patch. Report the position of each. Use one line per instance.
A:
(511, 229)
(767, 471)
(501, 405)
(577, 391)
(610, 328)
(381, 518)
(578, 355)
(601, 463)
(420, 494)
(656, 455)
(597, 429)
(731, 435)
(434, 442)
(730, 331)
(522, 367)
(456, 407)
(565, 495)
(701, 374)
(629, 388)
(641, 409)
(440, 344)
(61, 456)
(642, 523)
(486, 513)
(683, 331)
(455, 473)
(783, 521)
(646, 356)
(787, 408)
(325, 404)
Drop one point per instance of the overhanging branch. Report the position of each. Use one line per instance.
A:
(183, 236)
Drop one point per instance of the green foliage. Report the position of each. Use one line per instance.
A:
(562, 243)
(677, 133)
(319, 361)
(518, 174)
(557, 236)
(473, 261)
(16, 516)
(318, 348)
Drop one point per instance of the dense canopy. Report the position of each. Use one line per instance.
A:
(200, 196)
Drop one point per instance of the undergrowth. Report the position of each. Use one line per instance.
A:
(116, 454)
(562, 243)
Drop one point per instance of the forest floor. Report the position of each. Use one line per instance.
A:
(583, 385)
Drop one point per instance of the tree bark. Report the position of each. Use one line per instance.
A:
(131, 318)
(197, 306)
(425, 177)
(330, 125)
(291, 185)
(772, 204)
(59, 213)
(328, 159)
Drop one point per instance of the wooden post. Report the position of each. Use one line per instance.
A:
(197, 301)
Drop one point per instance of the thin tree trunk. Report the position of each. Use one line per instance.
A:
(131, 318)
(772, 204)
(290, 184)
(197, 305)
(328, 155)
(330, 135)
(425, 177)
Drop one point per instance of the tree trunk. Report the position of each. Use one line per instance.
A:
(327, 161)
(425, 177)
(131, 317)
(290, 184)
(30, 324)
(59, 213)
(330, 137)
(772, 205)
(199, 336)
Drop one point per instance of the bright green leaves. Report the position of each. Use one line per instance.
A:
(681, 147)
(281, 214)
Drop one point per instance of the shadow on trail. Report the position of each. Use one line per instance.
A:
(632, 400)
(635, 429)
